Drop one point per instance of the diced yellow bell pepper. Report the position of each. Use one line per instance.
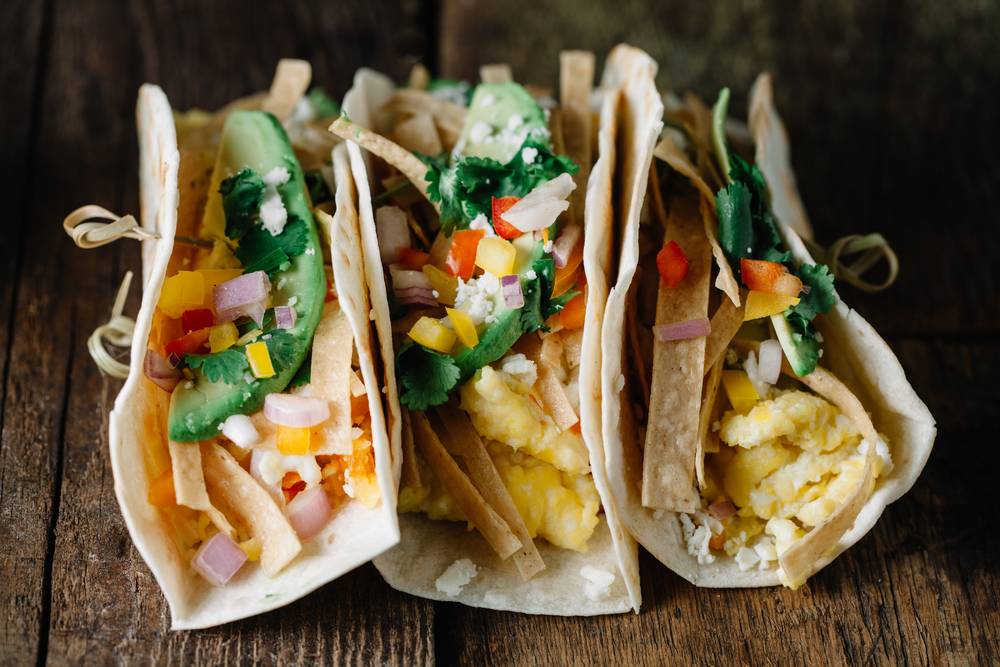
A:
(760, 305)
(223, 336)
(260, 360)
(161, 490)
(496, 256)
(184, 291)
(740, 391)
(431, 333)
(446, 286)
(213, 277)
(253, 547)
(248, 337)
(293, 441)
(461, 321)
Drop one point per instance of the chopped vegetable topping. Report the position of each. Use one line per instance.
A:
(412, 258)
(760, 304)
(464, 327)
(673, 265)
(769, 277)
(260, 360)
(428, 376)
(495, 255)
(739, 390)
(192, 320)
(573, 314)
(461, 260)
(293, 441)
(504, 229)
(432, 334)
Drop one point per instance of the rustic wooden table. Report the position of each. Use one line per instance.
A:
(893, 110)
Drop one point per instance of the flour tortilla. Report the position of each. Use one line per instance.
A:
(427, 548)
(854, 352)
(355, 534)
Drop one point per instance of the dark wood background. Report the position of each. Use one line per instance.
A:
(893, 110)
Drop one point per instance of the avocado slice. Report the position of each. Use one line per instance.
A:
(802, 354)
(255, 139)
(501, 117)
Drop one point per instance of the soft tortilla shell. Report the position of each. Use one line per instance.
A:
(857, 355)
(354, 535)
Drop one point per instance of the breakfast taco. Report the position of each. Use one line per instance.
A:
(487, 247)
(755, 426)
(250, 427)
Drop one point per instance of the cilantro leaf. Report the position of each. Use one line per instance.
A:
(425, 376)
(242, 195)
(280, 347)
(304, 374)
(326, 106)
(820, 298)
(258, 244)
(736, 230)
(539, 304)
(227, 365)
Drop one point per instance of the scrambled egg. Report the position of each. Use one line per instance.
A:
(503, 409)
(790, 463)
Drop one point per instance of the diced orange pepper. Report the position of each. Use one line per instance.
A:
(192, 320)
(672, 264)
(573, 314)
(195, 342)
(161, 490)
(760, 305)
(769, 278)
(718, 541)
(412, 258)
(566, 276)
(331, 293)
(575, 428)
(461, 260)
(293, 441)
(504, 229)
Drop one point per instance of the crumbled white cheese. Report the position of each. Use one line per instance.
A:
(716, 426)
(188, 385)
(266, 337)
(697, 536)
(310, 251)
(658, 514)
(882, 451)
(294, 300)
(458, 574)
(273, 467)
(548, 246)
(487, 100)
(731, 357)
(521, 368)
(222, 425)
(348, 486)
(766, 552)
(531, 275)
(480, 222)
(436, 294)
(473, 297)
(479, 131)
(529, 154)
(282, 283)
(746, 558)
(514, 122)
(598, 586)
(272, 210)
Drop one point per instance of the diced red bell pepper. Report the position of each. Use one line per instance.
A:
(504, 229)
(673, 265)
(192, 320)
(461, 260)
(331, 294)
(292, 485)
(769, 278)
(195, 342)
(413, 259)
(573, 314)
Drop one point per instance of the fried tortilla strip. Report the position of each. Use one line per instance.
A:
(496, 73)
(462, 439)
(409, 477)
(251, 504)
(576, 78)
(418, 134)
(420, 78)
(393, 153)
(572, 341)
(546, 355)
(448, 116)
(725, 323)
(291, 80)
(468, 499)
(206, 137)
(678, 369)
(189, 484)
(711, 390)
(700, 130)
(331, 379)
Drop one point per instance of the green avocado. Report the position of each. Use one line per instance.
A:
(501, 117)
(256, 139)
(801, 353)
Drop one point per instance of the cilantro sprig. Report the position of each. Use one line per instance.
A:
(242, 195)
(426, 376)
(539, 304)
(231, 365)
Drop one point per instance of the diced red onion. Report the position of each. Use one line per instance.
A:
(512, 295)
(405, 279)
(296, 411)
(160, 371)
(392, 231)
(309, 511)
(284, 317)
(683, 330)
(240, 429)
(564, 244)
(806, 289)
(419, 301)
(173, 359)
(413, 291)
(273, 490)
(722, 509)
(219, 559)
(539, 208)
(769, 361)
(246, 295)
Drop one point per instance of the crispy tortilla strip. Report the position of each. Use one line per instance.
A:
(448, 116)
(358, 387)
(420, 78)
(678, 369)
(291, 80)
(711, 390)
(393, 153)
(576, 78)
(189, 484)
(496, 73)
(668, 151)
(700, 130)
(418, 134)
(206, 137)
(469, 500)
(332, 378)
(546, 354)
(774, 158)
(715, 414)
(253, 507)
(410, 474)
(572, 341)
(725, 323)
(461, 439)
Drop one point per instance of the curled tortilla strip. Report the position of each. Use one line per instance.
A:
(546, 353)
(418, 134)
(725, 323)
(391, 152)
(448, 116)
(496, 73)
(469, 500)
(253, 506)
(576, 77)
(331, 377)
(711, 390)
(189, 484)
(678, 368)
(410, 474)
(668, 151)
(291, 81)
(420, 77)
(572, 341)
(462, 439)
